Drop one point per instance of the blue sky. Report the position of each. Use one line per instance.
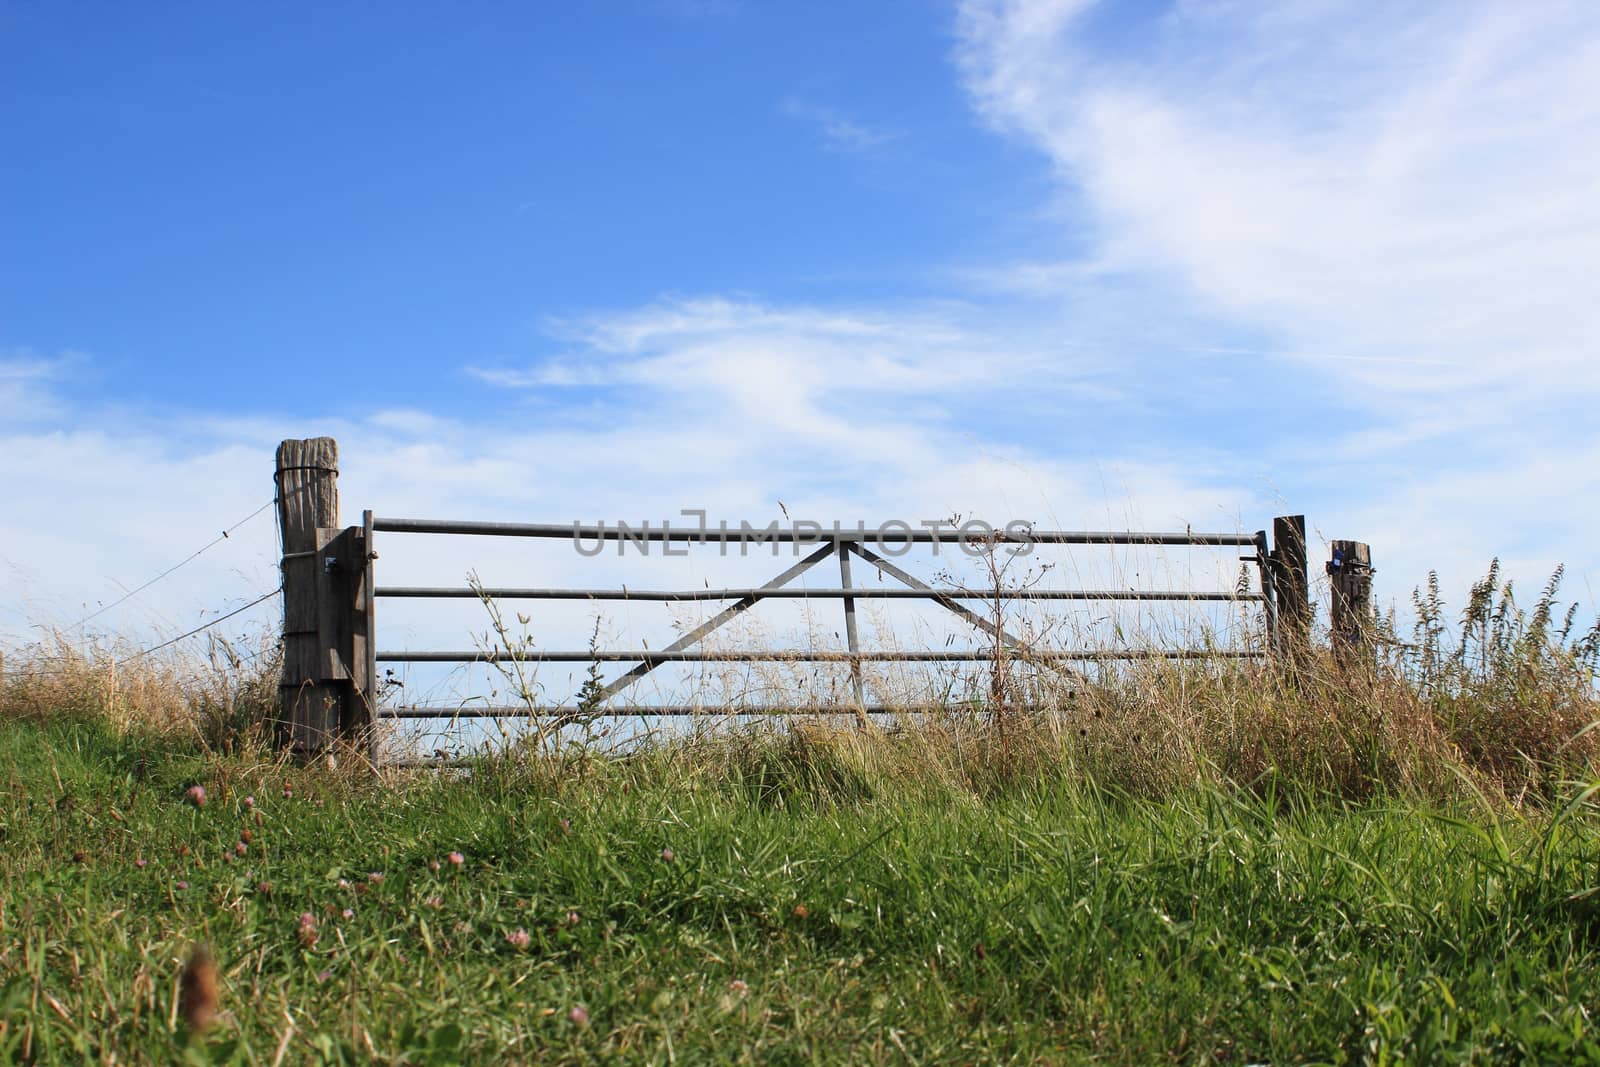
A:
(1088, 264)
(413, 188)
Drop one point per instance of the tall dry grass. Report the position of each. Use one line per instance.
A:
(221, 693)
(1497, 700)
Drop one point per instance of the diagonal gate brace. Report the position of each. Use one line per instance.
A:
(998, 632)
(727, 614)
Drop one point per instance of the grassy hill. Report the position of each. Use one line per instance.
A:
(1186, 864)
(775, 904)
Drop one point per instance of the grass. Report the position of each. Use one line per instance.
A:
(1192, 864)
(778, 909)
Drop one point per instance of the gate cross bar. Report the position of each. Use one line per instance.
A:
(727, 614)
(843, 549)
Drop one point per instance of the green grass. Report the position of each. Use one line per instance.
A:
(747, 917)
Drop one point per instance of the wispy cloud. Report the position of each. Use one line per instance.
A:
(27, 381)
(834, 379)
(1396, 203)
(1351, 244)
(1392, 182)
(721, 404)
(840, 133)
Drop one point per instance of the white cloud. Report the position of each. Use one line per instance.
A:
(1399, 202)
(1390, 206)
(730, 406)
(817, 378)
(839, 132)
(26, 383)
(1395, 182)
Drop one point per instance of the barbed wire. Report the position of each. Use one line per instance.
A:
(203, 627)
(33, 671)
(196, 554)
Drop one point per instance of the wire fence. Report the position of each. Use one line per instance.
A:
(225, 535)
(202, 628)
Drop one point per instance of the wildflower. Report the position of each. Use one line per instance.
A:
(434, 902)
(579, 1015)
(344, 883)
(572, 918)
(263, 887)
(307, 929)
(246, 836)
(197, 990)
(288, 794)
(738, 986)
(241, 848)
(800, 911)
(197, 795)
(375, 877)
(456, 859)
(519, 939)
(433, 865)
(180, 884)
(566, 826)
(348, 913)
(667, 855)
(323, 976)
(249, 802)
(141, 863)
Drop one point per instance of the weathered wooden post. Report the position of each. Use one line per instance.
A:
(344, 625)
(1350, 574)
(308, 501)
(325, 692)
(1291, 585)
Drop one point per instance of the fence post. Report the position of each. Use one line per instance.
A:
(1350, 574)
(1291, 582)
(310, 695)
